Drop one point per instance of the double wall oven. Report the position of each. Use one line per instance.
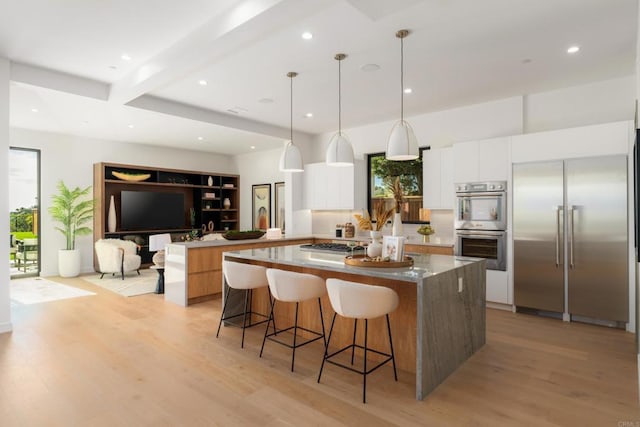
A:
(481, 222)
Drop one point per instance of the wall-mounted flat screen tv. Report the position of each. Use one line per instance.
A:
(151, 210)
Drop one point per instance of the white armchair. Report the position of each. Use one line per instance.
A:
(117, 256)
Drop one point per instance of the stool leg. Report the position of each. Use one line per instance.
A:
(353, 348)
(224, 307)
(393, 358)
(324, 339)
(273, 306)
(364, 382)
(326, 348)
(295, 334)
(244, 316)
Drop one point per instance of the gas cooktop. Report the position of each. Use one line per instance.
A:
(331, 247)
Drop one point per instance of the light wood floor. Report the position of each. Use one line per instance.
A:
(106, 360)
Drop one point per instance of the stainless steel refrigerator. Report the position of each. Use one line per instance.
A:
(570, 237)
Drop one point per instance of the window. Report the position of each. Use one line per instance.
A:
(381, 174)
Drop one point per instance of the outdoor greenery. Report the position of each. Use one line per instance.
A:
(385, 172)
(21, 219)
(73, 211)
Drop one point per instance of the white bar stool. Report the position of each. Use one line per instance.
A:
(360, 301)
(245, 277)
(289, 286)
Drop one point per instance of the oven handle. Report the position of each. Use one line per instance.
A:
(477, 233)
(487, 194)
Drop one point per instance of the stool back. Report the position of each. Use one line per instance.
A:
(293, 287)
(244, 276)
(360, 301)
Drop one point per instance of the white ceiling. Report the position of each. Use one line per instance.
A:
(459, 52)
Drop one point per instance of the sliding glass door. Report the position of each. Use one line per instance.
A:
(24, 212)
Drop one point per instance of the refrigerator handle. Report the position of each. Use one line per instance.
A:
(571, 242)
(558, 210)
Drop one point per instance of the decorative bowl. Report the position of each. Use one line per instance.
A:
(243, 235)
(131, 176)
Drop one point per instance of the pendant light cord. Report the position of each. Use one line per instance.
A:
(339, 97)
(291, 110)
(402, 79)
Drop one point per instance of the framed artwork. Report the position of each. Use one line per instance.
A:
(279, 205)
(261, 202)
(393, 247)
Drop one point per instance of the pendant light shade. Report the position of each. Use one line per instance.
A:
(291, 158)
(339, 152)
(402, 144)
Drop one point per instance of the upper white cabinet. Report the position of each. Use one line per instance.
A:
(586, 141)
(486, 160)
(437, 176)
(333, 187)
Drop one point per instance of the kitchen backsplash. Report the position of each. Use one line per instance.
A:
(324, 222)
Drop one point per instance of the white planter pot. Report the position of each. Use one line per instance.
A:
(69, 262)
(375, 247)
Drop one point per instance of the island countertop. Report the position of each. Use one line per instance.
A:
(439, 323)
(424, 265)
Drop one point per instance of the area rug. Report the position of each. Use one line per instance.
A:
(36, 290)
(132, 284)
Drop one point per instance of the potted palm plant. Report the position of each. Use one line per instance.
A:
(73, 211)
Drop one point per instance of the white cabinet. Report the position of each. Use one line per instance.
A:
(437, 176)
(334, 188)
(486, 160)
(497, 286)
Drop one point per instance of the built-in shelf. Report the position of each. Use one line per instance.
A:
(192, 184)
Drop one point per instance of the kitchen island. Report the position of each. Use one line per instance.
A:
(193, 270)
(438, 325)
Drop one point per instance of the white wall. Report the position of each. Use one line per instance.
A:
(70, 158)
(595, 103)
(257, 168)
(5, 312)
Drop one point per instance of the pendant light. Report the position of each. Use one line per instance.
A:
(402, 143)
(291, 158)
(339, 152)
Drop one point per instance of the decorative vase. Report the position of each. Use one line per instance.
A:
(210, 182)
(425, 238)
(111, 221)
(375, 247)
(226, 203)
(397, 229)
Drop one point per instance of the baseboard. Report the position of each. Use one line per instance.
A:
(498, 306)
(5, 327)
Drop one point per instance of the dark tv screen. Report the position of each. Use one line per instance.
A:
(150, 210)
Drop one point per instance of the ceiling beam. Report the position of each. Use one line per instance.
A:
(56, 80)
(225, 34)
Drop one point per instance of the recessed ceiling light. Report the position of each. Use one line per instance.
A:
(370, 67)
(202, 82)
(308, 115)
(307, 35)
(125, 57)
(265, 100)
(408, 90)
(130, 126)
(34, 110)
(253, 147)
(573, 49)
(200, 138)
(113, 67)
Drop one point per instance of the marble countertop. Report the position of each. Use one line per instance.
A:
(434, 240)
(425, 265)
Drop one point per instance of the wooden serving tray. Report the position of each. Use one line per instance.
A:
(359, 261)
